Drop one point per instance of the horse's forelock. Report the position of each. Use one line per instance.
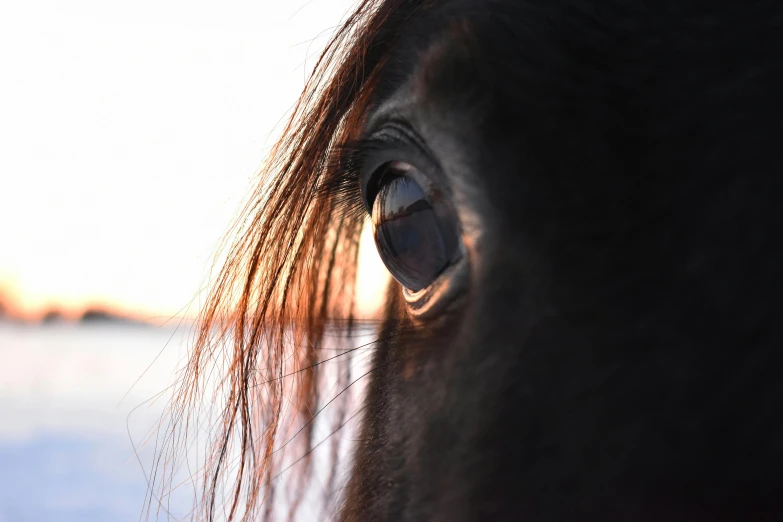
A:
(290, 274)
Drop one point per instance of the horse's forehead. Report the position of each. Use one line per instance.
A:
(565, 66)
(626, 45)
(478, 57)
(450, 47)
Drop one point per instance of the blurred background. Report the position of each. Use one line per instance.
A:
(130, 133)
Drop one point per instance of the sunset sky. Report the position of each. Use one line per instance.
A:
(129, 136)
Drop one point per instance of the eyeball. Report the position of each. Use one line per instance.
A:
(415, 230)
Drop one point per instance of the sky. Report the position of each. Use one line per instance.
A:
(130, 133)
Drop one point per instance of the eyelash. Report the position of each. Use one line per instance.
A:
(343, 183)
(347, 181)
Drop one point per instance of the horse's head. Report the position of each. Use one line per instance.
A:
(581, 205)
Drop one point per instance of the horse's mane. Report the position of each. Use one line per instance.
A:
(290, 274)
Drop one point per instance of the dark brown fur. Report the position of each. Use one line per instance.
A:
(617, 352)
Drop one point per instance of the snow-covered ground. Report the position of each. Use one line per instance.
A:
(68, 430)
(67, 435)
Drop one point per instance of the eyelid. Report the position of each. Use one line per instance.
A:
(394, 141)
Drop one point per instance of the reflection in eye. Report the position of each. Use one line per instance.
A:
(416, 235)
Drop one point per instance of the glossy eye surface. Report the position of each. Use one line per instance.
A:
(415, 230)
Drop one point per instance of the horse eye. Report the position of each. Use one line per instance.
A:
(415, 231)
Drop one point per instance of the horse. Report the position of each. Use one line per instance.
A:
(579, 203)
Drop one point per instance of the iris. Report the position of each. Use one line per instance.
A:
(415, 231)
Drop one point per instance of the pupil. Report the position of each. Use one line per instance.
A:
(414, 240)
